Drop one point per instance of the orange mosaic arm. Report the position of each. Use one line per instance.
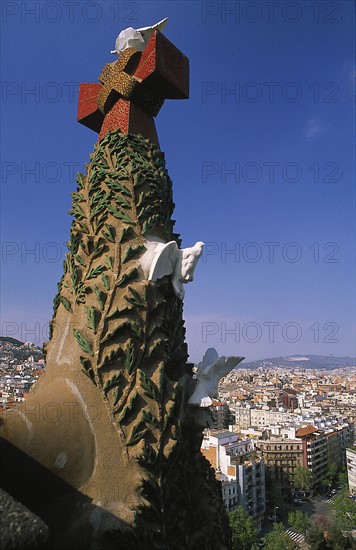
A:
(88, 111)
(163, 68)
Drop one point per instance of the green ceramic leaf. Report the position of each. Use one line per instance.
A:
(95, 272)
(109, 262)
(135, 298)
(129, 358)
(99, 296)
(90, 375)
(121, 202)
(98, 248)
(149, 387)
(83, 227)
(80, 292)
(112, 382)
(74, 274)
(126, 233)
(79, 260)
(128, 277)
(76, 211)
(106, 283)
(154, 347)
(118, 312)
(147, 225)
(149, 418)
(84, 344)
(90, 313)
(109, 233)
(79, 197)
(116, 186)
(132, 251)
(117, 395)
(80, 179)
(126, 410)
(146, 212)
(119, 214)
(137, 434)
(66, 303)
(56, 303)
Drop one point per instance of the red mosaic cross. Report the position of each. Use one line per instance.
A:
(132, 90)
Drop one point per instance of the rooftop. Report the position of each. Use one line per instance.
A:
(222, 435)
(306, 431)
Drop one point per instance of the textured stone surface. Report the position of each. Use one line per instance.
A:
(20, 529)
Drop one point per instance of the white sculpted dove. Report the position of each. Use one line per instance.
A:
(208, 379)
(170, 260)
(136, 38)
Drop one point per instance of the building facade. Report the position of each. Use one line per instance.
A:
(322, 447)
(351, 469)
(240, 471)
(282, 457)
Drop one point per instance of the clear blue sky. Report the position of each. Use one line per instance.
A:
(261, 153)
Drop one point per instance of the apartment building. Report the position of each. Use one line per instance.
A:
(240, 471)
(282, 457)
(315, 452)
(322, 447)
(259, 417)
(220, 415)
(351, 468)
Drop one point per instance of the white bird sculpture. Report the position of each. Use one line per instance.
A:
(170, 260)
(136, 38)
(208, 377)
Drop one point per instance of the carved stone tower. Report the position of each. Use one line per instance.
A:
(106, 449)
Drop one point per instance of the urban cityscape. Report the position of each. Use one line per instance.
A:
(280, 439)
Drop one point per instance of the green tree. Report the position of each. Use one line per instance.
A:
(322, 522)
(332, 472)
(315, 537)
(298, 521)
(277, 539)
(330, 476)
(303, 479)
(338, 538)
(244, 532)
(343, 478)
(345, 512)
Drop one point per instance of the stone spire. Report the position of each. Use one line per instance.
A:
(107, 433)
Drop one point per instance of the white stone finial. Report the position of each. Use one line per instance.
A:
(136, 38)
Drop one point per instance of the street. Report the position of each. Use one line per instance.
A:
(319, 505)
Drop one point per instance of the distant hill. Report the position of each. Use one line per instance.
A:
(12, 341)
(303, 361)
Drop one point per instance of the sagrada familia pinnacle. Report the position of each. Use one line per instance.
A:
(105, 451)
